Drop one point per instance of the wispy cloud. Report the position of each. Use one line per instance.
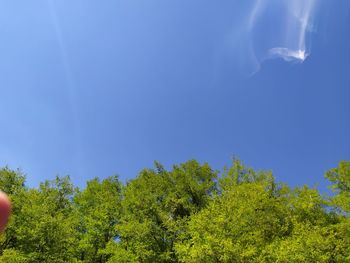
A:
(288, 54)
(277, 29)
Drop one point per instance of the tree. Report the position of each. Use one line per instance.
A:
(44, 226)
(156, 206)
(256, 220)
(340, 179)
(186, 214)
(97, 211)
(12, 183)
(236, 226)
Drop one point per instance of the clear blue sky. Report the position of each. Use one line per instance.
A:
(94, 88)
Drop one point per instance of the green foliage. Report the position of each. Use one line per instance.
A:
(157, 205)
(44, 228)
(237, 225)
(186, 214)
(340, 179)
(97, 211)
(256, 220)
(13, 256)
(11, 182)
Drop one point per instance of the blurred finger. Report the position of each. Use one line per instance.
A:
(5, 210)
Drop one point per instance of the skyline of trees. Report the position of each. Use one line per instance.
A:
(190, 213)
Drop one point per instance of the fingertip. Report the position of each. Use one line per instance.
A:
(5, 210)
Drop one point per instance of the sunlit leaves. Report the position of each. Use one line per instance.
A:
(189, 213)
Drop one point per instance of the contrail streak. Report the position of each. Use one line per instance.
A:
(70, 82)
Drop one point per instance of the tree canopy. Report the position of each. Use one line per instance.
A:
(190, 213)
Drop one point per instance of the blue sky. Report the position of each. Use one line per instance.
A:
(95, 88)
